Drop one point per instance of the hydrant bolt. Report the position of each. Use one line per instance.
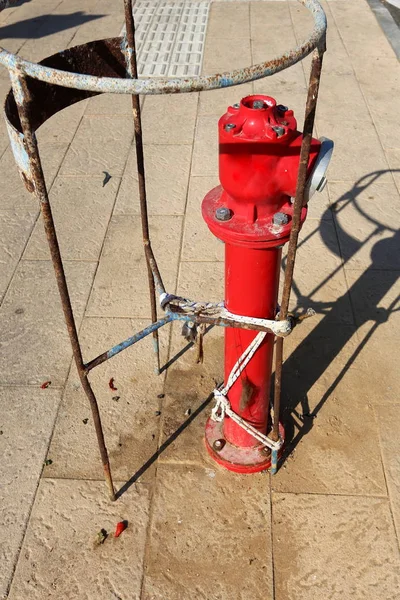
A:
(236, 105)
(223, 214)
(218, 444)
(280, 219)
(282, 108)
(279, 130)
(229, 126)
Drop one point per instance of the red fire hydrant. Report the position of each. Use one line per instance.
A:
(251, 211)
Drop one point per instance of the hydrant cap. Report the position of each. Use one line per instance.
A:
(258, 118)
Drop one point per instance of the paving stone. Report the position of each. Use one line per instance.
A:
(167, 174)
(229, 21)
(378, 384)
(318, 239)
(96, 6)
(128, 414)
(357, 26)
(188, 397)
(189, 385)
(384, 85)
(367, 216)
(46, 44)
(221, 55)
(81, 208)
(61, 127)
(319, 353)
(180, 561)
(335, 451)
(378, 91)
(64, 524)
(4, 141)
(320, 289)
(35, 345)
(319, 204)
(16, 229)
(393, 158)
(123, 263)
(29, 9)
(202, 281)
(336, 60)
(170, 119)
(199, 244)
(388, 421)
(26, 425)
(266, 21)
(110, 104)
(360, 560)
(15, 194)
(205, 149)
(340, 98)
(374, 295)
(351, 140)
(100, 144)
(98, 28)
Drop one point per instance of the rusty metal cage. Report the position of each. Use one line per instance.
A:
(110, 66)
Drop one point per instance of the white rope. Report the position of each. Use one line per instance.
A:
(223, 406)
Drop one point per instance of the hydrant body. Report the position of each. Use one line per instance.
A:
(251, 211)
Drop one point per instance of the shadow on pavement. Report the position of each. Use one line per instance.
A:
(45, 25)
(316, 352)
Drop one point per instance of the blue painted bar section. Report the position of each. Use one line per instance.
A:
(138, 336)
(274, 462)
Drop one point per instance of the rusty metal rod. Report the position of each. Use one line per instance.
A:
(21, 95)
(137, 121)
(312, 97)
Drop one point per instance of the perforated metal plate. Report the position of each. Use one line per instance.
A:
(170, 37)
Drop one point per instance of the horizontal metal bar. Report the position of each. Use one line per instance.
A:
(179, 85)
(128, 342)
(222, 318)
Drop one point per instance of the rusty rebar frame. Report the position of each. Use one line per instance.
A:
(27, 156)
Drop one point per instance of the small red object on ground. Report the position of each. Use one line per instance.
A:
(111, 385)
(121, 526)
(45, 385)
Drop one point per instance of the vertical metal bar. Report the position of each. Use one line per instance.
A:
(137, 120)
(21, 95)
(309, 118)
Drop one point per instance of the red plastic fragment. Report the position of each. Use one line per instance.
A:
(111, 385)
(45, 385)
(121, 526)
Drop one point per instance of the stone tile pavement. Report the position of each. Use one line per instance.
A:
(328, 524)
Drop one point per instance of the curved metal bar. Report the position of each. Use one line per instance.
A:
(179, 85)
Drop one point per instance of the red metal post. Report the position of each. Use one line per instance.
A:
(259, 150)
